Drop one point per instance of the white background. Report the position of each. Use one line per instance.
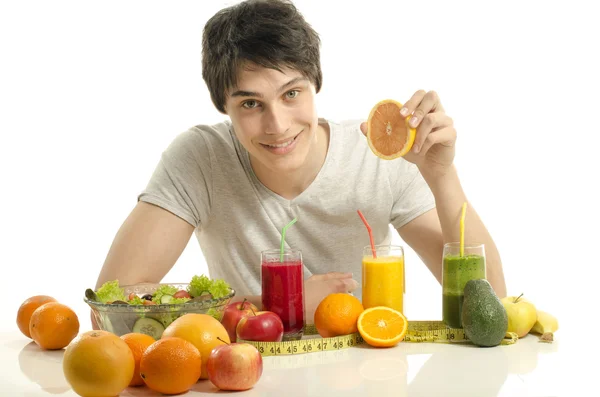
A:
(92, 93)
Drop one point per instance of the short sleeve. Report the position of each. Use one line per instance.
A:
(182, 180)
(412, 195)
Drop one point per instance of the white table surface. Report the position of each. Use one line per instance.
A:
(527, 368)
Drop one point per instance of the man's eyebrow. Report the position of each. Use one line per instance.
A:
(242, 93)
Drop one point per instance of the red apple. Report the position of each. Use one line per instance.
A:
(181, 294)
(233, 313)
(264, 326)
(235, 366)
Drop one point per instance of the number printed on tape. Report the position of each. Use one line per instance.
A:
(418, 331)
(304, 346)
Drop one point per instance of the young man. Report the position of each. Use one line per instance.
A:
(237, 183)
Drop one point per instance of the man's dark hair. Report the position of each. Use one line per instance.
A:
(269, 33)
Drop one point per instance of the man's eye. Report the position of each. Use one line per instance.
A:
(250, 104)
(292, 94)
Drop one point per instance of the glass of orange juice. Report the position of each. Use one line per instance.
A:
(383, 277)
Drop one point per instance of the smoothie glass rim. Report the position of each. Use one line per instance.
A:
(367, 249)
(289, 253)
(466, 246)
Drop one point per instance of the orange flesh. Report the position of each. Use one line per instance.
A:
(388, 129)
(382, 324)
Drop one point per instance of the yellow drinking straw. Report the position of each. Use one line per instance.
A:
(462, 229)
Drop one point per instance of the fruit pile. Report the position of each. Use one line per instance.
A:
(198, 346)
(244, 321)
(52, 325)
(524, 318)
(336, 315)
(342, 314)
(193, 347)
(486, 319)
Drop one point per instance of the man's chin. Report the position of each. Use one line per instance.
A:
(284, 164)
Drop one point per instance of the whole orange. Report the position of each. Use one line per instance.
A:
(26, 310)
(337, 315)
(138, 343)
(53, 325)
(202, 331)
(171, 365)
(98, 364)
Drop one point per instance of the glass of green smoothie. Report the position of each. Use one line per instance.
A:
(457, 269)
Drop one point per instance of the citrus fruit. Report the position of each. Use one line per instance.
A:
(171, 365)
(388, 133)
(98, 364)
(202, 331)
(53, 325)
(337, 314)
(382, 326)
(138, 343)
(26, 310)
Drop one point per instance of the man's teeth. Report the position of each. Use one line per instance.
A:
(283, 144)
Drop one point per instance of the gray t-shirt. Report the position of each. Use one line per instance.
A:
(205, 177)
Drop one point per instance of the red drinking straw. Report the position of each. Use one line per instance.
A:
(370, 232)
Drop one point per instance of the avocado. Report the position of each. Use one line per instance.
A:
(484, 318)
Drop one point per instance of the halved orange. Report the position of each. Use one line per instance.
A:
(388, 133)
(382, 326)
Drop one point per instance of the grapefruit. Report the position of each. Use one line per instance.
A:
(98, 364)
(202, 330)
(388, 133)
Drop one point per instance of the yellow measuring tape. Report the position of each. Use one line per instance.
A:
(418, 331)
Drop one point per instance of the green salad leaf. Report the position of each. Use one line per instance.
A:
(198, 285)
(219, 289)
(110, 292)
(202, 284)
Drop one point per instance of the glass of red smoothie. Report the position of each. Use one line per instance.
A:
(282, 279)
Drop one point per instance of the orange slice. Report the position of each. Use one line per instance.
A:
(388, 133)
(382, 326)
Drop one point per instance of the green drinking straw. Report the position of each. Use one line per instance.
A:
(283, 237)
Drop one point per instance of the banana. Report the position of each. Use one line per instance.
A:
(545, 325)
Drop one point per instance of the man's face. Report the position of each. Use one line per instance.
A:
(274, 117)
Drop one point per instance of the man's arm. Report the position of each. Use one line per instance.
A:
(151, 240)
(428, 233)
(146, 246)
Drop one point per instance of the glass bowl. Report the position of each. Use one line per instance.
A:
(123, 318)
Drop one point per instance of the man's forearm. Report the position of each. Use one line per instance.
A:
(449, 197)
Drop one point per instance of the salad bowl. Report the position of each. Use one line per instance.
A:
(149, 308)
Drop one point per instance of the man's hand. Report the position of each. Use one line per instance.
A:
(433, 149)
(318, 286)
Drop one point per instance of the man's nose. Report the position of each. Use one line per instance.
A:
(276, 121)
